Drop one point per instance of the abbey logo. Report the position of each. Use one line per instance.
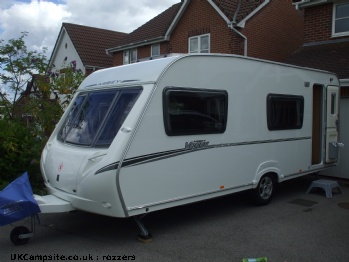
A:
(196, 144)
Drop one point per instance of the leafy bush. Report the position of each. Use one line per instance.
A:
(20, 150)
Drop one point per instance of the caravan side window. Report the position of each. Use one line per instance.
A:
(284, 112)
(194, 111)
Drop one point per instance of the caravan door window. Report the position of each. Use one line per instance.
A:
(194, 111)
(96, 117)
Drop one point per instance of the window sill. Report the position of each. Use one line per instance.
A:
(340, 35)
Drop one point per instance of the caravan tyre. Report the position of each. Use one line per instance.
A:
(263, 193)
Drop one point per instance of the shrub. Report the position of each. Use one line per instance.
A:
(20, 150)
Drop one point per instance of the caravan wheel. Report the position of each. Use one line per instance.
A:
(16, 232)
(265, 190)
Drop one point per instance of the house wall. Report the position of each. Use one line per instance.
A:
(201, 18)
(118, 58)
(66, 51)
(318, 23)
(275, 32)
(194, 22)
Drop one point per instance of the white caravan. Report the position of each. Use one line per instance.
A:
(161, 133)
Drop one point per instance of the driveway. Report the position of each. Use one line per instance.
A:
(294, 227)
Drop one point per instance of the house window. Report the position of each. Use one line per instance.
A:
(189, 111)
(130, 56)
(155, 50)
(340, 19)
(284, 112)
(199, 44)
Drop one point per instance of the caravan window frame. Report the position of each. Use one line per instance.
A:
(208, 116)
(285, 112)
(88, 124)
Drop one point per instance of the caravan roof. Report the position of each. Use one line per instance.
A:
(147, 71)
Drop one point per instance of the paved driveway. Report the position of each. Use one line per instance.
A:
(294, 227)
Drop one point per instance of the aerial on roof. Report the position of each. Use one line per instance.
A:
(229, 7)
(91, 42)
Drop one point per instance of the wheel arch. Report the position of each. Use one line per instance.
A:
(269, 167)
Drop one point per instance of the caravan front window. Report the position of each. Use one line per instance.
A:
(96, 117)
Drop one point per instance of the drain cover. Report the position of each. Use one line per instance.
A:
(303, 202)
(344, 205)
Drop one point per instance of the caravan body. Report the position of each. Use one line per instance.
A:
(171, 131)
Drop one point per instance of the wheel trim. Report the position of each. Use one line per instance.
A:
(266, 188)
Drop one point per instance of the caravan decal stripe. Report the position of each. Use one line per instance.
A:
(139, 160)
(110, 167)
(168, 154)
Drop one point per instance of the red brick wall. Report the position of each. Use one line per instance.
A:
(143, 51)
(118, 58)
(275, 32)
(200, 18)
(318, 23)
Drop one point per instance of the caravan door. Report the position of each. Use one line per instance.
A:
(332, 122)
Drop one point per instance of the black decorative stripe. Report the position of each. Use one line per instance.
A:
(160, 156)
(132, 161)
(139, 160)
(110, 167)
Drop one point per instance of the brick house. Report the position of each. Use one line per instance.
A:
(326, 47)
(326, 38)
(85, 45)
(266, 29)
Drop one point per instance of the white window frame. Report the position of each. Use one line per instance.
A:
(199, 37)
(157, 46)
(334, 34)
(127, 56)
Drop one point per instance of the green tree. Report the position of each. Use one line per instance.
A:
(22, 140)
(54, 92)
(65, 81)
(17, 66)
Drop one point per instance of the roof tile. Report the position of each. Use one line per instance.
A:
(330, 56)
(91, 42)
(155, 28)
